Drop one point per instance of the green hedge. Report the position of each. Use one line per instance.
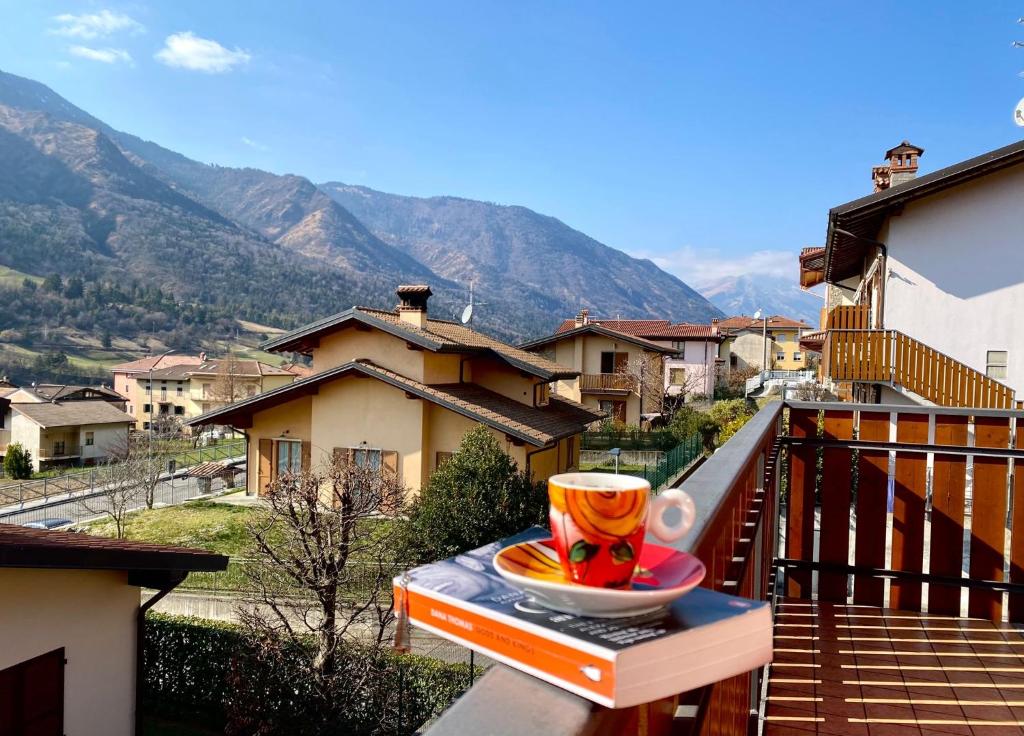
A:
(195, 666)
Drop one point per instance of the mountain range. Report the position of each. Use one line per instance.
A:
(182, 245)
(749, 293)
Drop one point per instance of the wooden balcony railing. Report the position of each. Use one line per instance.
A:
(888, 356)
(596, 382)
(851, 317)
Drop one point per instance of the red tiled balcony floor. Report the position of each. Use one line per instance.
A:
(867, 671)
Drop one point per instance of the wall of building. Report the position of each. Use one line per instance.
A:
(92, 615)
(698, 360)
(955, 275)
(292, 420)
(107, 439)
(26, 433)
(501, 378)
(380, 347)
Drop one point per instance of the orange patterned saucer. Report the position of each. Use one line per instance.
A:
(662, 575)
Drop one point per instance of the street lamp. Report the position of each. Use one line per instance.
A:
(149, 453)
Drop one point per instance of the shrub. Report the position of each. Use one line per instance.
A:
(725, 412)
(220, 675)
(17, 462)
(477, 496)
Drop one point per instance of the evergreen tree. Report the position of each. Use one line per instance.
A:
(17, 462)
(53, 283)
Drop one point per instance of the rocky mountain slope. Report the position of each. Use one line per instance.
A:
(772, 294)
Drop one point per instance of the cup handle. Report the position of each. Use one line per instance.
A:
(672, 497)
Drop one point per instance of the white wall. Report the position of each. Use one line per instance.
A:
(955, 277)
(107, 438)
(92, 615)
(27, 434)
(699, 361)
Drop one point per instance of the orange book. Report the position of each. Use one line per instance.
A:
(701, 638)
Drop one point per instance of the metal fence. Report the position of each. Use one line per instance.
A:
(628, 440)
(91, 480)
(672, 462)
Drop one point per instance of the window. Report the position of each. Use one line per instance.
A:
(179, 411)
(677, 376)
(798, 356)
(612, 362)
(781, 337)
(165, 408)
(542, 394)
(145, 425)
(366, 458)
(207, 387)
(614, 409)
(733, 360)
(58, 447)
(440, 458)
(995, 363)
(680, 346)
(289, 456)
(179, 389)
(147, 408)
(90, 439)
(780, 356)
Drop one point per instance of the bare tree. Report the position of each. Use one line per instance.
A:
(687, 380)
(228, 386)
(123, 490)
(737, 380)
(645, 377)
(322, 560)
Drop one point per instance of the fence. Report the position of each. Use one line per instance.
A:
(91, 480)
(673, 461)
(628, 440)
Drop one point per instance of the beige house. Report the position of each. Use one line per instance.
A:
(188, 388)
(73, 621)
(397, 389)
(66, 432)
(608, 368)
(126, 376)
(749, 343)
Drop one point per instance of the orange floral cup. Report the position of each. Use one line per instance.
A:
(599, 521)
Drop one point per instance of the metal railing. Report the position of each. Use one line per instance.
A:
(605, 382)
(672, 462)
(606, 439)
(89, 480)
(889, 356)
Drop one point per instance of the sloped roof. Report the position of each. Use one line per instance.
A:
(775, 321)
(59, 392)
(536, 425)
(24, 547)
(650, 329)
(156, 361)
(243, 369)
(437, 336)
(598, 329)
(72, 413)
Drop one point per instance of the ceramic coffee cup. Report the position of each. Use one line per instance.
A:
(598, 521)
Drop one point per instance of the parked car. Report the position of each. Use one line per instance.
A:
(49, 523)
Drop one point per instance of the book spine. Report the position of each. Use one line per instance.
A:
(578, 671)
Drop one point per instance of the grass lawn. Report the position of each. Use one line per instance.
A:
(610, 468)
(217, 527)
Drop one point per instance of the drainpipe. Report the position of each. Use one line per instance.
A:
(531, 453)
(173, 581)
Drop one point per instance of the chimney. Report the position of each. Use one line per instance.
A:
(412, 303)
(901, 166)
(583, 318)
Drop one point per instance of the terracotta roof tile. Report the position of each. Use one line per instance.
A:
(72, 413)
(156, 361)
(743, 322)
(649, 329)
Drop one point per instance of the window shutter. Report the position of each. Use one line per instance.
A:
(266, 465)
(389, 461)
(441, 458)
(307, 456)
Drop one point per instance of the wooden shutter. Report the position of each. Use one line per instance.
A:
(344, 455)
(307, 456)
(32, 696)
(389, 461)
(266, 465)
(440, 458)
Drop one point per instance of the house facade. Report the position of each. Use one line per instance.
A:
(399, 390)
(929, 265)
(189, 387)
(67, 433)
(614, 356)
(749, 343)
(72, 633)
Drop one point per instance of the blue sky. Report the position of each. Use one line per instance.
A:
(712, 137)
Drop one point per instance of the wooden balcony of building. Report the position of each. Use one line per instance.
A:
(606, 383)
(889, 543)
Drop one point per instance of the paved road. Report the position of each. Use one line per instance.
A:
(82, 508)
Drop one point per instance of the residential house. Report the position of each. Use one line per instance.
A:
(6, 389)
(187, 388)
(613, 362)
(66, 432)
(750, 344)
(925, 279)
(73, 623)
(48, 392)
(399, 390)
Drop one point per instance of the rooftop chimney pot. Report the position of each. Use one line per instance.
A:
(412, 303)
(900, 166)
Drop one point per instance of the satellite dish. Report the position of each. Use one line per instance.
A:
(1018, 114)
(467, 314)
(757, 314)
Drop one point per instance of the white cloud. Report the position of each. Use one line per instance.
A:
(254, 144)
(94, 25)
(107, 55)
(189, 51)
(701, 266)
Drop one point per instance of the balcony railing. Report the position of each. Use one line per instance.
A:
(888, 356)
(921, 499)
(598, 382)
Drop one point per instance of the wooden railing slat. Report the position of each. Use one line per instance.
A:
(872, 497)
(1016, 600)
(836, 476)
(800, 509)
(908, 511)
(947, 529)
(988, 533)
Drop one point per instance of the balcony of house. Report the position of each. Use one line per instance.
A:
(889, 544)
(606, 383)
(854, 356)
